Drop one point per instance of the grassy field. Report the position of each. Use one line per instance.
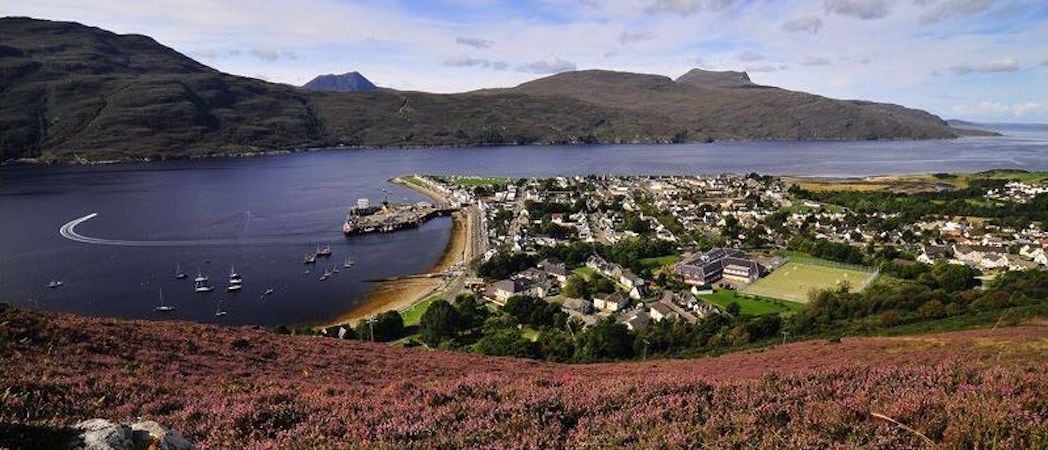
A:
(754, 306)
(414, 313)
(661, 261)
(480, 181)
(586, 272)
(917, 182)
(796, 278)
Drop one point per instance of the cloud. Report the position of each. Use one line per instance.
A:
(270, 54)
(465, 61)
(1020, 109)
(859, 9)
(954, 8)
(1000, 65)
(687, 7)
(475, 42)
(212, 54)
(629, 37)
(804, 23)
(547, 65)
(816, 61)
(766, 68)
(748, 56)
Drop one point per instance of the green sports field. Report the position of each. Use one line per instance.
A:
(794, 280)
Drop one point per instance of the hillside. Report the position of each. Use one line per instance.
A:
(726, 105)
(346, 82)
(220, 386)
(73, 92)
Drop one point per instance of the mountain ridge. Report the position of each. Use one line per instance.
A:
(72, 92)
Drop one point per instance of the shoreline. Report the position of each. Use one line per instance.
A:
(402, 294)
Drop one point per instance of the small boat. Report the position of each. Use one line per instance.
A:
(348, 263)
(219, 312)
(324, 251)
(179, 273)
(235, 281)
(200, 278)
(268, 292)
(327, 274)
(310, 259)
(202, 286)
(55, 284)
(162, 307)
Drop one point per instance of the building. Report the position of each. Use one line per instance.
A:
(610, 302)
(710, 267)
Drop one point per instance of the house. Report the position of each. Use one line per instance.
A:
(710, 267)
(610, 302)
(637, 320)
(555, 268)
(630, 279)
(932, 253)
(577, 304)
(659, 311)
(502, 290)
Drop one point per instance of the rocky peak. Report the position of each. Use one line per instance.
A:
(346, 82)
(716, 79)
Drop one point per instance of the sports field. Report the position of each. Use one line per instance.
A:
(795, 279)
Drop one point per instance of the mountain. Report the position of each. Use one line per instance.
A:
(73, 92)
(726, 105)
(220, 385)
(347, 82)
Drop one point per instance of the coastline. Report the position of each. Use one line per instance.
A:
(402, 294)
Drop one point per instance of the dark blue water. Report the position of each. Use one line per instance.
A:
(267, 212)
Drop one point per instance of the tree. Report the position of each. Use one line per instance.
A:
(472, 312)
(607, 339)
(733, 309)
(953, 277)
(578, 287)
(440, 322)
(388, 326)
(555, 345)
(506, 342)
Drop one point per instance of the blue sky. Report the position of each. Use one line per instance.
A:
(973, 59)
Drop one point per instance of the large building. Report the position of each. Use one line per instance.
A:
(710, 267)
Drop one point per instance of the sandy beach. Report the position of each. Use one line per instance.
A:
(401, 294)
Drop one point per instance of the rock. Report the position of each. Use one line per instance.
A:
(147, 434)
(101, 434)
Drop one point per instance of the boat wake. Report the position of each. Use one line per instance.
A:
(68, 231)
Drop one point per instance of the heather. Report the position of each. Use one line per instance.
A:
(249, 388)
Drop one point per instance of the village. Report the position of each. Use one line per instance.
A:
(686, 247)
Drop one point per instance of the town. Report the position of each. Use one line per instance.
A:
(641, 251)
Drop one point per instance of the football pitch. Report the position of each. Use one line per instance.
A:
(794, 280)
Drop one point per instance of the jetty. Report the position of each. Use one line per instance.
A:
(387, 217)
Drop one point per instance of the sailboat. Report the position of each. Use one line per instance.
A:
(219, 312)
(200, 284)
(348, 263)
(311, 258)
(327, 273)
(179, 273)
(235, 282)
(324, 251)
(162, 307)
(54, 284)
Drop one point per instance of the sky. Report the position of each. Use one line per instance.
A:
(982, 60)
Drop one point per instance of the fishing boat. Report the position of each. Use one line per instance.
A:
(324, 251)
(162, 307)
(55, 284)
(235, 281)
(348, 263)
(179, 273)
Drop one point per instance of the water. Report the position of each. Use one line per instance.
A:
(264, 214)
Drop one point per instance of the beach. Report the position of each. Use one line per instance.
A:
(401, 294)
